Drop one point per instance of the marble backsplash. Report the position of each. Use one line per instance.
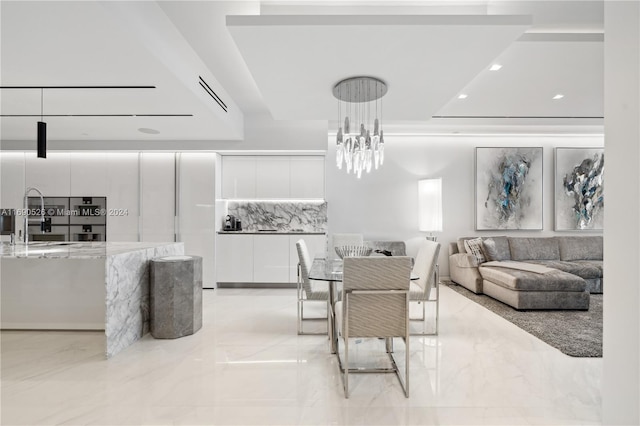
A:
(303, 216)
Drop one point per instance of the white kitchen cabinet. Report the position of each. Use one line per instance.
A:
(51, 175)
(88, 174)
(316, 244)
(234, 258)
(262, 258)
(272, 177)
(12, 167)
(157, 193)
(306, 177)
(239, 177)
(271, 259)
(123, 197)
(196, 209)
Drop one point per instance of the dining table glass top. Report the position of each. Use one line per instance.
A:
(331, 270)
(326, 269)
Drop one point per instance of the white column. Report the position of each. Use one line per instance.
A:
(621, 388)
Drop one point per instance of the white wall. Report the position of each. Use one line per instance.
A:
(384, 204)
(621, 384)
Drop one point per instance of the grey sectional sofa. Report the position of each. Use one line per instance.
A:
(532, 273)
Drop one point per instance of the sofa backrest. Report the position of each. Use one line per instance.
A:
(537, 248)
(581, 248)
(496, 248)
(453, 248)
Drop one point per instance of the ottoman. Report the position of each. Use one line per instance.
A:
(530, 290)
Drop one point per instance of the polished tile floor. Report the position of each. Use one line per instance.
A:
(247, 366)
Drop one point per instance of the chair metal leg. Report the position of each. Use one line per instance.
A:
(301, 317)
(423, 317)
(406, 365)
(437, 303)
(346, 370)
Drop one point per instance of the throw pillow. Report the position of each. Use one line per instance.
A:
(474, 247)
(490, 250)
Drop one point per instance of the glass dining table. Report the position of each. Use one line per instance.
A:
(330, 271)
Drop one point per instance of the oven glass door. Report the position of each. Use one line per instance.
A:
(57, 233)
(88, 211)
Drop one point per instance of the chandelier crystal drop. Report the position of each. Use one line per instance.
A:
(357, 148)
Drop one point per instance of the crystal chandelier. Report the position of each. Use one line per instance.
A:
(360, 148)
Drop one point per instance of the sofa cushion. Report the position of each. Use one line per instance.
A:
(534, 248)
(461, 247)
(593, 263)
(496, 248)
(582, 269)
(474, 247)
(581, 248)
(530, 281)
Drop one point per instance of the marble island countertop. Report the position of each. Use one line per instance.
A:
(273, 232)
(81, 286)
(74, 250)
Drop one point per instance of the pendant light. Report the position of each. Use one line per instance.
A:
(364, 148)
(42, 129)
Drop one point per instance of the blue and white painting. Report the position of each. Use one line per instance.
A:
(509, 188)
(579, 189)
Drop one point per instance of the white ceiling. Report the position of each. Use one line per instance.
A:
(281, 59)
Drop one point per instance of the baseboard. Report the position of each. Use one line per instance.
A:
(257, 285)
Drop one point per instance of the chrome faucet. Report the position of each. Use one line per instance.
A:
(26, 211)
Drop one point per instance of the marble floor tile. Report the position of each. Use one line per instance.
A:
(247, 366)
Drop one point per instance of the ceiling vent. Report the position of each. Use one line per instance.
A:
(213, 94)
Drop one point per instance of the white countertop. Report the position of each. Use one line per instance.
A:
(74, 250)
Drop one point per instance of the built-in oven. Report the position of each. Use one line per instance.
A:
(88, 232)
(88, 211)
(55, 208)
(51, 233)
(8, 223)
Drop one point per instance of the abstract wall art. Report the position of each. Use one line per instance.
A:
(509, 188)
(579, 189)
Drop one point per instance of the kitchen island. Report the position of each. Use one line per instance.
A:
(80, 286)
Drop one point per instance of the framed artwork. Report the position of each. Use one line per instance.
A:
(508, 188)
(579, 189)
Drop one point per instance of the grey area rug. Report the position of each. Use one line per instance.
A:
(575, 333)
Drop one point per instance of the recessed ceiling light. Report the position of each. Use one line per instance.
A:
(148, 131)
(462, 96)
(558, 96)
(495, 67)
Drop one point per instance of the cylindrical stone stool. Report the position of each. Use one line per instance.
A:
(176, 296)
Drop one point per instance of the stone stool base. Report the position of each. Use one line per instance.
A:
(176, 296)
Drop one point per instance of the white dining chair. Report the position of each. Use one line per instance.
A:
(308, 290)
(426, 288)
(374, 304)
